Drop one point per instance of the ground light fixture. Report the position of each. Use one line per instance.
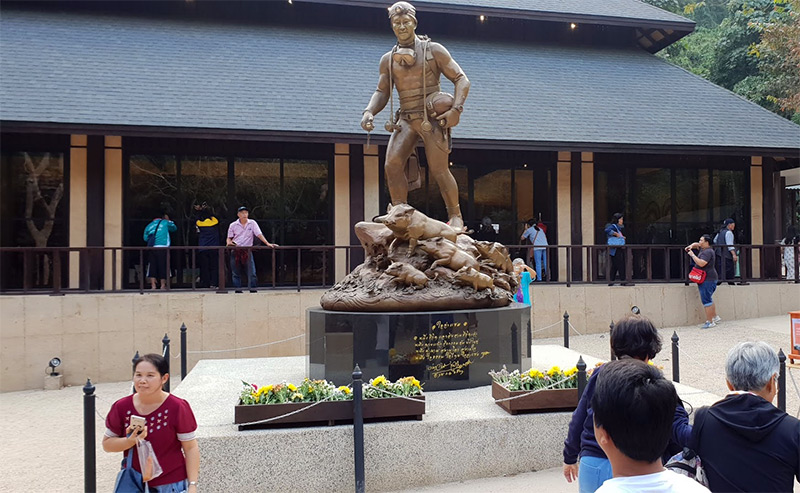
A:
(54, 363)
(635, 310)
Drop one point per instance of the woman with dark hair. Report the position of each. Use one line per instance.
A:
(617, 255)
(169, 427)
(632, 337)
(705, 260)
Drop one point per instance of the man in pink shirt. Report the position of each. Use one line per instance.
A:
(241, 233)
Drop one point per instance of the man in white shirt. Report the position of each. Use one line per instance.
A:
(634, 406)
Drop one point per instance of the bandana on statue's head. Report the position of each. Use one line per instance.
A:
(403, 8)
(405, 56)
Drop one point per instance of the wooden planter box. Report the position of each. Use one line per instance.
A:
(328, 413)
(544, 401)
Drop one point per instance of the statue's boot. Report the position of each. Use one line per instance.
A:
(456, 221)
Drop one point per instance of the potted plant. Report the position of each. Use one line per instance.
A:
(321, 402)
(535, 390)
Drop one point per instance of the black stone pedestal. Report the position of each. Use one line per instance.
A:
(444, 350)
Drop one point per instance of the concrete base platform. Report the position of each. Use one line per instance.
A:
(463, 435)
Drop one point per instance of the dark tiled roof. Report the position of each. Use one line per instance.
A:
(138, 72)
(612, 9)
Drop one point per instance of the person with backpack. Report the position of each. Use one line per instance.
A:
(156, 234)
(207, 226)
(744, 442)
(536, 234)
(633, 337)
(633, 405)
(726, 256)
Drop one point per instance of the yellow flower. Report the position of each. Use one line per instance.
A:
(571, 371)
(264, 390)
(378, 381)
(552, 372)
(392, 352)
(345, 390)
(297, 396)
(292, 387)
(534, 373)
(415, 383)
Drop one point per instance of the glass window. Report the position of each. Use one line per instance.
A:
(152, 189)
(494, 199)
(202, 179)
(34, 212)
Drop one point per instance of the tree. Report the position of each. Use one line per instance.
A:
(33, 195)
(778, 53)
(747, 46)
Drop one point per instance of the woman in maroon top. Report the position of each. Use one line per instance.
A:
(170, 428)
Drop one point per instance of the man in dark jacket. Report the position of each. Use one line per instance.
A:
(207, 235)
(745, 443)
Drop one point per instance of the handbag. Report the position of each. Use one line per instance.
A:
(697, 275)
(151, 239)
(129, 480)
(616, 240)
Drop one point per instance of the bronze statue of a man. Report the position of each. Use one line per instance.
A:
(415, 66)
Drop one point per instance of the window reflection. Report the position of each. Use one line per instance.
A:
(33, 212)
(290, 200)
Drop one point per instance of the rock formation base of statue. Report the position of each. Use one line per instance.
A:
(415, 263)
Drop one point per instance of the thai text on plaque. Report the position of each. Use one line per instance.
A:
(448, 348)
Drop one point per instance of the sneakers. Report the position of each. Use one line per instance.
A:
(716, 319)
(708, 325)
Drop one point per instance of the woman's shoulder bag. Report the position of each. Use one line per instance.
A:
(129, 480)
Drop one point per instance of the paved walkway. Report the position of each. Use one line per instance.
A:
(41, 437)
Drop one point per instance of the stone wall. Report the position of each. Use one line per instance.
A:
(591, 308)
(96, 335)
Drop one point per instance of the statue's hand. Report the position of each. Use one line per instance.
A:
(450, 118)
(367, 121)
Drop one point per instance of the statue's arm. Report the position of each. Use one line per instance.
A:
(456, 75)
(380, 97)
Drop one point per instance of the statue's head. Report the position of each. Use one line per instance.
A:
(403, 16)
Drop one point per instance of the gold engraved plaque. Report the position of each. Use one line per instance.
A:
(448, 348)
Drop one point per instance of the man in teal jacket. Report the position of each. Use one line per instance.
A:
(156, 234)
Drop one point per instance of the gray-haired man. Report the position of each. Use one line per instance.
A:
(746, 443)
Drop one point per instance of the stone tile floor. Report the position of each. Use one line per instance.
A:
(41, 437)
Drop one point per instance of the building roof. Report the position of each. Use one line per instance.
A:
(613, 11)
(655, 28)
(145, 76)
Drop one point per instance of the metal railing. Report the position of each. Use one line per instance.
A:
(52, 270)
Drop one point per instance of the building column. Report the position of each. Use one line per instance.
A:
(341, 206)
(77, 206)
(756, 212)
(372, 182)
(563, 210)
(587, 207)
(113, 211)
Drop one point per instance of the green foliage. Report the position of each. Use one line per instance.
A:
(751, 47)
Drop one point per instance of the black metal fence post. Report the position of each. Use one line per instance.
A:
(676, 371)
(134, 360)
(89, 465)
(581, 376)
(782, 380)
(165, 353)
(358, 430)
(611, 346)
(183, 351)
(566, 329)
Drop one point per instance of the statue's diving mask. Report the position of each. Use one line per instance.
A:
(405, 56)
